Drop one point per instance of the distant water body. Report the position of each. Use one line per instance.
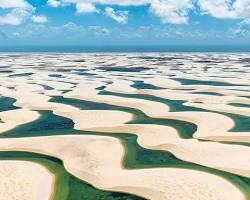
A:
(79, 49)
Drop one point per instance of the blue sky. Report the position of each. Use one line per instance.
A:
(124, 22)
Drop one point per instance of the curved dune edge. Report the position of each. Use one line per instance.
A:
(104, 170)
(86, 119)
(100, 120)
(153, 109)
(215, 131)
(162, 82)
(210, 154)
(91, 94)
(14, 118)
(218, 129)
(82, 118)
(209, 102)
(229, 91)
(25, 180)
(221, 108)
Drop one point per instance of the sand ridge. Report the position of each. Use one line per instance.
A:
(105, 171)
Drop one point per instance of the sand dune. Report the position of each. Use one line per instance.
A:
(14, 118)
(210, 154)
(81, 118)
(90, 94)
(218, 130)
(24, 180)
(104, 169)
(207, 81)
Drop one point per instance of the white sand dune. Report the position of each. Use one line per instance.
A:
(81, 118)
(222, 108)
(104, 170)
(163, 82)
(210, 154)
(99, 120)
(85, 119)
(97, 159)
(90, 94)
(13, 118)
(121, 85)
(24, 180)
(218, 130)
(190, 96)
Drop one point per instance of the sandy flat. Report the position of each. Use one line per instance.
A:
(24, 180)
(162, 82)
(121, 85)
(86, 119)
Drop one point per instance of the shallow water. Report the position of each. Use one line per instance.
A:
(7, 103)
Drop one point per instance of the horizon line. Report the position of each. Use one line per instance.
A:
(124, 48)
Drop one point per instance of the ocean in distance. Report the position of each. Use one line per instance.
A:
(124, 48)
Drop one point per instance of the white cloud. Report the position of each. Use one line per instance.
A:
(18, 12)
(82, 6)
(85, 8)
(226, 9)
(217, 8)
(169, 11)
(39, 18)
(119, 16)
(54, 3)
(14, 4)
(172, 11)
(123, 2)
(14, 17)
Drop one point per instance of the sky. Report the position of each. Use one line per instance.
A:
(125, 22)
